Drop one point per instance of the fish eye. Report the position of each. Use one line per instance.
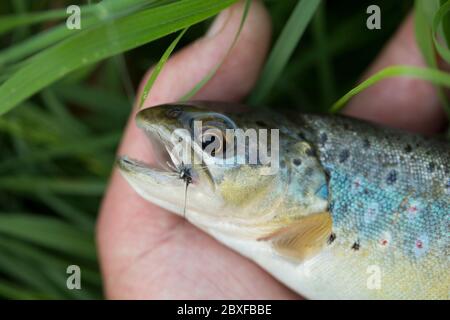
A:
(174, 112)
(211, 120)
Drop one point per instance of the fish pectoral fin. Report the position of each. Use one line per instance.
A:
(302, 238)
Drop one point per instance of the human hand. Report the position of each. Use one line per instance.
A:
(146, 252)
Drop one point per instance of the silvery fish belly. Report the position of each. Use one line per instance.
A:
(334, 207)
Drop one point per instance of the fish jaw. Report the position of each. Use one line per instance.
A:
(163, 188)
(166, 190)
(163, 184)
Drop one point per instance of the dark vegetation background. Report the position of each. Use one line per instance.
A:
(57, 149)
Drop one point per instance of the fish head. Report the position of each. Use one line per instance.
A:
(232, 187)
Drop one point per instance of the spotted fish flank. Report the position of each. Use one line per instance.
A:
(401, 174)
(348, 196)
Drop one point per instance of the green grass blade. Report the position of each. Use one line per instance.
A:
(73, 126)
(8, 23)
(435, 76)
(109, 75)
(46, 259)
(94, 99)
(83, 146)
(338, 43)
(283, 49)
(423, 15)
(423, 31)
(211, 73)
(21, 271)
(92, 45)
(446, 25)
(52, 268)
(327, 83)
(69, 212)
(33, 184)
(438, 19)
(32, 45)
(14, 127)
(101, 11)
(48, 232)
(105, 11)
(125, 77)
(20, 7)
(157, 69)
(14, 292)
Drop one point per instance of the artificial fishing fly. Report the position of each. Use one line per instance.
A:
(184, 173)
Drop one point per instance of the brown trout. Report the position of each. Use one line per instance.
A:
(353, 211)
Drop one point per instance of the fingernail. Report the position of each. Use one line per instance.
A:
(219, 23)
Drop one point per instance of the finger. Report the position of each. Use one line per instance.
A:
(237, 74)
(146, 252)
(406, 103)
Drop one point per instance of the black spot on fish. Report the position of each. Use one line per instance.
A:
(323, 138)
(431, 167)
(408, 148)
(310, 152)
(301, 136)
(356, 245)
(391, 177)
(344, 155)
(331, 238)
(346, 126)
(297, 162)
(366, 143)
(331, 206)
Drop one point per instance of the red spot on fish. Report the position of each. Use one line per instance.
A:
(412, 209)
(419, 244)
(383, 242)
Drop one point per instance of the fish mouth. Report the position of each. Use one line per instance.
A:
(164, 183)
(159, 138)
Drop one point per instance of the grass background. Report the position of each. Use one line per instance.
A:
(58, 135)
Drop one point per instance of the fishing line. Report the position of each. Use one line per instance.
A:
(185, 199)
(185, 174)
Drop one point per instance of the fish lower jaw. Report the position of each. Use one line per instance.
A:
(210, 222)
